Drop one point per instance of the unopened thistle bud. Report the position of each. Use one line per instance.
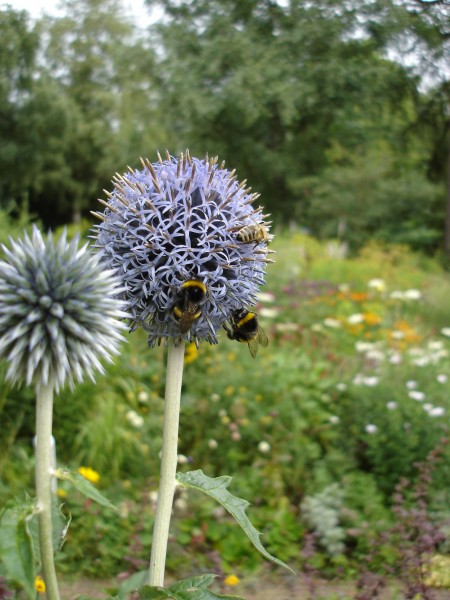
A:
(189, 246)
(59, 311)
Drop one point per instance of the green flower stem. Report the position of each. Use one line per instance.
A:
(174, 377)
(44, 414)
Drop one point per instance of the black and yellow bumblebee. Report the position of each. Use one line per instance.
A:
(243, 326)
(186, 309)
(253, 233)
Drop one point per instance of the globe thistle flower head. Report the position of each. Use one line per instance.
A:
(188, 244)
(59, 311)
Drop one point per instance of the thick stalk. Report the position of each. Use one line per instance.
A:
(44, 414)
(169, 455)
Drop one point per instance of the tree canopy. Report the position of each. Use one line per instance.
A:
(336, 111)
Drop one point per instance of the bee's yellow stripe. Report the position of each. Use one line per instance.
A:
(194, 283)
(248, 317)
(177, 312)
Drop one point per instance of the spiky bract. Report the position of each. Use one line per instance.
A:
(177, 220)
(59, 311)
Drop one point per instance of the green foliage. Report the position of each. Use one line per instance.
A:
(83, 485)
(322, 513)
(217, 488)
(333, 134)
(16, 546)
(194, 588)
(346, 341)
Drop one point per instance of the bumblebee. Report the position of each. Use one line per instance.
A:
(253, 233)
(186, 309)
(244, 327)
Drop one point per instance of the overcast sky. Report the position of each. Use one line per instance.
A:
(37, 7)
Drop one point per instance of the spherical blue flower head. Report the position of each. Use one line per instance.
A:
(179, 220)
(59, 311)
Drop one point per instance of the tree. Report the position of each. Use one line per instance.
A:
(106, 73)
(276, 88)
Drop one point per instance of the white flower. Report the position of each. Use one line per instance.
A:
(370, 381)
(264, 447)
(333, 323)
(341, 386)
(153, 496)
(142, 397)
(442, 378)
(360, 379)
(377, 284)
(446, 331)
(437, 411)
(391, 405)
(371, 428)
(135, 419)
(397, 295)
(375, 355)
(355, 319)
(265, 297)
(435, 344)
(214, 397)
(416, 395)
(427, 406)
(182, 459)
(334, 419)
(411, 385)
(181, 504)
(364, 346)
(395, 358)
(317, 327)
(269, 313)
(286, 327)
(212, 444)
(422, 361)
(413, 295)
(397, 335)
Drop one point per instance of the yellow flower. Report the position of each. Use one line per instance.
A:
(191, 353)
(232, 580)
(39, 584)
(61, 493)
(371, 318)
(89, 474)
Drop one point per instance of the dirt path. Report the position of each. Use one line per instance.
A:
(252, 589)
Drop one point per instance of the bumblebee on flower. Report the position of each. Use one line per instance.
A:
(172, 230)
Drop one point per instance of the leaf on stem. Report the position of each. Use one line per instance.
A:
(193, 588)
(84, 486)
(217, 488)
(16, 545)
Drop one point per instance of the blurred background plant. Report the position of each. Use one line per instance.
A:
(350, 394)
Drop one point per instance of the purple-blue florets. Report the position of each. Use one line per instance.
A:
(177, 220)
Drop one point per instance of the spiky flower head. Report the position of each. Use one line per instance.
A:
(59, 311)
(180, 220)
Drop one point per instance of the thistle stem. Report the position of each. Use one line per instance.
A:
(44, 415)
(174, 377)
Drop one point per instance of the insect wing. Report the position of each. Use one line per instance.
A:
(253, 346)
(262, 338)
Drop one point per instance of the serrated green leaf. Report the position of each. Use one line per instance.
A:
(217, 488)
(16, 546)
(193, 588)
(84, 486)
